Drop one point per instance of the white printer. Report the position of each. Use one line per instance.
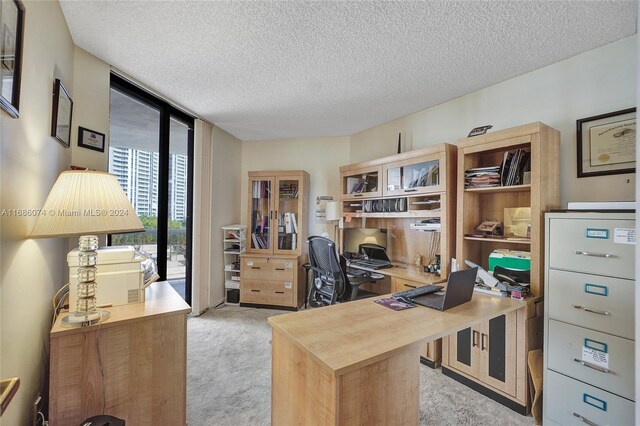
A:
(119, 276)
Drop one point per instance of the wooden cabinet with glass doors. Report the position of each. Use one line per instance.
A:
(277, 214)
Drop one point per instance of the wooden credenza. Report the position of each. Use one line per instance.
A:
(132, 365)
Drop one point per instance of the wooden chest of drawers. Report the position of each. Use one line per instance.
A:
(271, 281)
(589, 366)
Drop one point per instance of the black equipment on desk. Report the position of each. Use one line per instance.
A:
(376, 257)
(459, 290)
(418, 291)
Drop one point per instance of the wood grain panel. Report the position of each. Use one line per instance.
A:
(300, 387)
(131, 367)
(383, 393)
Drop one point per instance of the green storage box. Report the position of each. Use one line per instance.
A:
(511, 259)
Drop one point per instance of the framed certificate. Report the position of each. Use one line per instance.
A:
(607, 144)
(90, 139)
(62, 113)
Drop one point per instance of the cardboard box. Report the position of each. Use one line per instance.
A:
(511, 259)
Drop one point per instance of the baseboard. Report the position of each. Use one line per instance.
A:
(428, 362)
(501, 399)
(256, 305)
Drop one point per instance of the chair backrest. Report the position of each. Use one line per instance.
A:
(329, 278)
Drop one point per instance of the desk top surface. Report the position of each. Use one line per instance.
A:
(348, 336)
(404, 271)
(160, 299)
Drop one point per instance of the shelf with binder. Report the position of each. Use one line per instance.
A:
(532, 148)
(415, 206)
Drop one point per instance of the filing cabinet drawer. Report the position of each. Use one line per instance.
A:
(596, 302)
(565, 356)
(588, 245)
(267, 268)
(267, 292)
(566, 399)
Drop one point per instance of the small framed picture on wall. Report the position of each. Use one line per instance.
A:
(90, 139)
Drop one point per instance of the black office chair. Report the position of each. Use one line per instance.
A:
(330, 282)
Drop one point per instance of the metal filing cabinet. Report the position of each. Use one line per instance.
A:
(589, 367)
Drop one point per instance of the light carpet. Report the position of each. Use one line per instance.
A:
(229, 377)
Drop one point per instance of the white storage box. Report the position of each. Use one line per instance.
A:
(119, 276)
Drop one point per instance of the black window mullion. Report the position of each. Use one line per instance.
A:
(190, 151)
(163, 191)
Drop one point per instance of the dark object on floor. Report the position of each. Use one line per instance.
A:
(103, 421)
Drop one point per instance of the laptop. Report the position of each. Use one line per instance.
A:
(459, 290)
(376, 257)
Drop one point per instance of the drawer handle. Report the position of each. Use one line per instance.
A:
(279, 269)
(585, 420)
(409, 285)
(595, 367)
(586, 253)
(593, 311)
(279, 292)
(255, 267)
(410, 190)
(357, 195)
(256, 291)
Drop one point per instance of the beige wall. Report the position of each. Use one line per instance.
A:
(90, 107)
(321, 157)
(599, 81)
(225, 201)
(31, 270)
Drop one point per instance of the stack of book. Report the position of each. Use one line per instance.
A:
(482, 177)
(287, 231)
(260, 241)
(514, 164)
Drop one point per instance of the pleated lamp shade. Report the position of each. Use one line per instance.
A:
(85, 202)
(332, 211)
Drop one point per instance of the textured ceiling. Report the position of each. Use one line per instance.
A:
(263, 70)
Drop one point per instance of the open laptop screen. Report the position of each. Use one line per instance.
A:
(375, 252)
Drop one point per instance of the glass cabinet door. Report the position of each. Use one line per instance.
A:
(361, 183)
(261, 214)
(412, 178)
(288, 215)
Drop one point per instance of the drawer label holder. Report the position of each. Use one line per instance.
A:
(594, 402)
(602, 234)
(598, 290)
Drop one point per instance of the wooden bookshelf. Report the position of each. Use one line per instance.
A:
(478, 204)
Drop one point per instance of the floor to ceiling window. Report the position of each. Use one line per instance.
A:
(150, 152)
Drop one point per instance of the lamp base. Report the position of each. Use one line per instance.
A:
(75, 319)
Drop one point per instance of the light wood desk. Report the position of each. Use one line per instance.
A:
(357, 363)
(132, 365)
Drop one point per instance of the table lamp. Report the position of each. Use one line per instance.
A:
(85, 203)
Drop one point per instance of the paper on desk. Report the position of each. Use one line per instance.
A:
(393, 303)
